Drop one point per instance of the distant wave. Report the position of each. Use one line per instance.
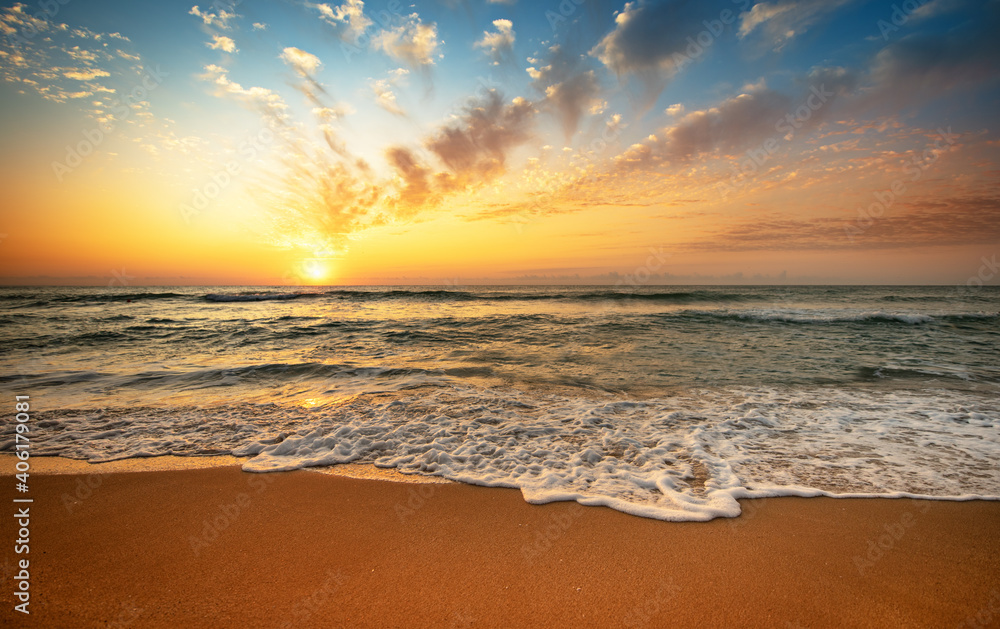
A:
(222, 297)
(879, 373)
(806, 317)
(680, 297)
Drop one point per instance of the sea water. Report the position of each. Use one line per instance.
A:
(665, 402)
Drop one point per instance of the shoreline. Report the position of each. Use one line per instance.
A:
(221, 547)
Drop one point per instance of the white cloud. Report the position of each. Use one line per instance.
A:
(499, 46)
(386, 98)
(782, 20)
(220, 19)
(221, 42)
(270, 104)
(413, 42)
(303, 62)
(348, 19)
(86, 75)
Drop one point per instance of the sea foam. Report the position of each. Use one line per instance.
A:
(687, 457)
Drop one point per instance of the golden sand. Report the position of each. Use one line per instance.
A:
(222, 548)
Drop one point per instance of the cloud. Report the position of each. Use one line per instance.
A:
(499, 46)
(569, 89)
(86, 75)
(473, 149)
(386, 98)
(218, 20)
(265, 101)
(221, 42)
(476, 146)
(949, 221)
(648, 35)
(780, 21)
(301, 61)
(733, 124)
(348, 19)
(413, 42)
(97, 72)
(922, 67)
(655, 40)
(417, 189)
(745, 120)
(259, 26)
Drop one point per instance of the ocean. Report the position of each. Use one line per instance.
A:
(669, 402)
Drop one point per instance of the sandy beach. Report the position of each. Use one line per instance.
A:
(219, 547)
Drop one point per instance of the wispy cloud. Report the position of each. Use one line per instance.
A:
(347, 19)
(779, 22)
(218, 19)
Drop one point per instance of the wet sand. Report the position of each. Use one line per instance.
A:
(219, 547)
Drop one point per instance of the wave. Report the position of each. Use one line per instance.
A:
(809, 317)
(225, 298)
(292, 372)
(895, 373)
(679, 297)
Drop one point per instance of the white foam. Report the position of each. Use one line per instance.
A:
(688, 457)
(684, 458)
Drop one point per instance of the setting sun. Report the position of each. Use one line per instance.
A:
(315, 271)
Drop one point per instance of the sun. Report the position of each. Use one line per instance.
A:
(315, 271)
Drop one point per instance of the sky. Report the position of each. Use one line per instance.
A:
(500, 141)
